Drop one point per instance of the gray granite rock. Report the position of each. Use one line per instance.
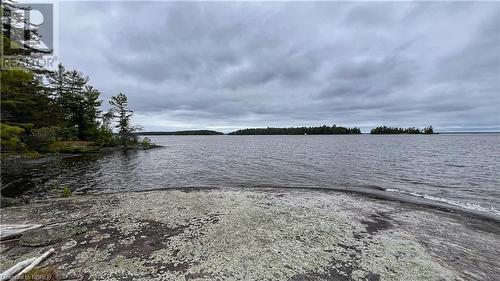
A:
(50, 235)
(257, 234)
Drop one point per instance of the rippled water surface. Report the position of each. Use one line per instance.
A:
(457, 169)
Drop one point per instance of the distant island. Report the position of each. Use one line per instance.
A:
(181, 133)
(398, 131)
(322, 130)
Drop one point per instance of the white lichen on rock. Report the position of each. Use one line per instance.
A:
(237, 234)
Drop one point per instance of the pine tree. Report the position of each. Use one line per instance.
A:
(90, 112)
(120, 110)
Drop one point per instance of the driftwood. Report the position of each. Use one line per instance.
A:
(9, 231)
(9, 273)
(34, 263)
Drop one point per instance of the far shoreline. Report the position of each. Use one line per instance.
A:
(168, 133)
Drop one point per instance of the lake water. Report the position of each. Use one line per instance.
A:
(460, 170)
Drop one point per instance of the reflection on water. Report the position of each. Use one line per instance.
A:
(458, 169)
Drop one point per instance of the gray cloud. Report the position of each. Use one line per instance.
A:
(245, 64)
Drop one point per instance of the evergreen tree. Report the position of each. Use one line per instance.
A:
(91, 113)
(23, 103)
(78, 103)
(40, 106)
(120, 110)
(57, 82)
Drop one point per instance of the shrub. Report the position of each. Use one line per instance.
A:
(72, 147)
(11, 137)
(66, 192)
(66, 134)
(40, 139)
(146, 142)
(31, 154)
(105, 137)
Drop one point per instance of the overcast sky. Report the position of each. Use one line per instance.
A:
(226, 66)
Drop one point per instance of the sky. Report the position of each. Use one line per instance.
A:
(232, 65)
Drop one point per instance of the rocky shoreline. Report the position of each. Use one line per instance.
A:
(253, 234)
(16, 161)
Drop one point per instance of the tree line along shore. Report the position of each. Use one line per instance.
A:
(321, 130)
(54, 110)
(58, 111)
(330, 130)
(180, 133)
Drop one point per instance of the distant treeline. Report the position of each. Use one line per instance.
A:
(181, 133)
(323, 130)
(394, 130)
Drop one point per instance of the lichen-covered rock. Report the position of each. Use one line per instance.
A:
(51, 234)
(9, 202)
(258, 234)
(48, 273)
